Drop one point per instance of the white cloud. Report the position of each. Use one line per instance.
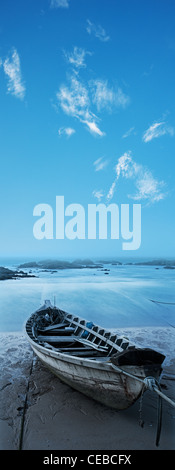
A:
(94, 129)
(68, 131)
(106, 97)
(121, 99)
(100, 164)
(126, 166)
(97, 31)
(129, 132)
(75, 102)
(111, 191)
(12, 69)
(123, 168)
(77, 99)
(77, 57)
(59, 3)
(157, 130)
(148, 188)
(98, 194)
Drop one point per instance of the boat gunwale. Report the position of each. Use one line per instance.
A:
(73, 358)
(138, 371)
(90, 362)
(70, 358)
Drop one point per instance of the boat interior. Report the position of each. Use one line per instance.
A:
(68, 334)
(59, 331)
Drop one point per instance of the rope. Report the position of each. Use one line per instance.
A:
(159, 418)
(159, 302)
(149, 382)
(153, 385)
(25, 408)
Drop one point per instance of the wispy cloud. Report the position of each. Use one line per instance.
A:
(111, 190)
(130, 131)
(94, 129)
(67, 131)
(100, 164)
(12, 69)
(105, 96)
(98, 194)
(148, 188)
(59, 3)
(97, 31)
(157, 130)
(74, 101)
(77, 57)
(81, 99)
(148, 72)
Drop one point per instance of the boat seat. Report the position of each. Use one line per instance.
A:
(57, 339)
(71, 339)
(59, 332)
(53, 327)
(85, 353)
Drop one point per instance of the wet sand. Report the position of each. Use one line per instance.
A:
(59, 418)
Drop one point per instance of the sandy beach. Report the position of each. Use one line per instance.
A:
(59, 418)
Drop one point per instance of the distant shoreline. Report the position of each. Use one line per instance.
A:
(54, 265)
(6, 274)
(87, 263)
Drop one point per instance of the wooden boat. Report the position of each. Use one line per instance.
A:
(102, 364)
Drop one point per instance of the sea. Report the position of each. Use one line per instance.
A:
(113, 296)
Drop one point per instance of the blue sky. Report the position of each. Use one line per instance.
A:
(87, 111)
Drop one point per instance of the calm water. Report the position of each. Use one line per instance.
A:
(119, 299)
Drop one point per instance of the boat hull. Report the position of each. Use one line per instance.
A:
(101, 364)
(94, 379)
